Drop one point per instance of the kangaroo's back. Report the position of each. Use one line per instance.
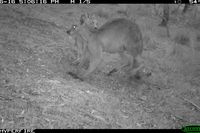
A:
(120, 34)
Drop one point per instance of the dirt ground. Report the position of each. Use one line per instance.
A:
(36, 55)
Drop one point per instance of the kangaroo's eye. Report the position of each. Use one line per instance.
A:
(74, 27)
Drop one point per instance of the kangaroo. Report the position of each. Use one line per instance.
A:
(120, 36)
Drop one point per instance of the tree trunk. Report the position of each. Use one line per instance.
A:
(165, 17)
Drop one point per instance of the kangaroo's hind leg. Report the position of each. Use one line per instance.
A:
(125, 61)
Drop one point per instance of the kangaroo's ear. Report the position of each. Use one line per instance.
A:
(84, 18)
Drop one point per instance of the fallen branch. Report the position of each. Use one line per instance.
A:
(195, 105)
